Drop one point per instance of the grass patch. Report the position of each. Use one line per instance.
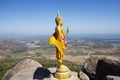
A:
(47, 63)
(6, 64)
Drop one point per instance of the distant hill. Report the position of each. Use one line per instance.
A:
(96, 36)
(91, 36)
(13, 36)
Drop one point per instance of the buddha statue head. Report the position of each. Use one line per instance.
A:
(58, 20)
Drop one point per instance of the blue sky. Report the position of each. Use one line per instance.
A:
(38, 16)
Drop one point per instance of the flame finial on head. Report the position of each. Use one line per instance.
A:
(58, 14)
(58, 19)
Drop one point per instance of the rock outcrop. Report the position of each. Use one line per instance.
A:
(97, 68)
(94, 68)
(107, 67)
(109, 77)
(22, 65)
(40, 74)
(89, 66)
(83, 76)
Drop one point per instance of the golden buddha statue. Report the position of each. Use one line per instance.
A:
(59, 40)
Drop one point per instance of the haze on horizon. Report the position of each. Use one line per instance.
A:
(38, 16)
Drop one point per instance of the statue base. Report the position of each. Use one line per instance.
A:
(63, 73)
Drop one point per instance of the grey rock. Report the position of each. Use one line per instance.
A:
(107, 67)
(22, 65)
(98, 67)
(30, 73)
(109, 77)
(89, 66)
(83, 76)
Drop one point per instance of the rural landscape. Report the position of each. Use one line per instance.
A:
(13, 50)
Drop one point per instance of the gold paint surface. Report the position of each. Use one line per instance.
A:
(59, 40)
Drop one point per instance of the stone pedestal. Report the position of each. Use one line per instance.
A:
(63, 73)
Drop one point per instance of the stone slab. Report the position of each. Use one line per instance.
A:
(40, 74)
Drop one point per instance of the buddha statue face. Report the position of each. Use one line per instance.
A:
(58, 20)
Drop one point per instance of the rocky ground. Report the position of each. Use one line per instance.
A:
(94, 68)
